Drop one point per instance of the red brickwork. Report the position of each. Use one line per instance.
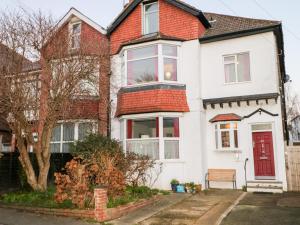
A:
(160, 100)
(100, 196)
(173, 22)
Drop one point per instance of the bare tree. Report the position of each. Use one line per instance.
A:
(34, 96)
(292, 103)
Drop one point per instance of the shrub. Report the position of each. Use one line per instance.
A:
(99, 161)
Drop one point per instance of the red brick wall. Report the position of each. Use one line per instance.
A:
(129, 29)
(160, 100)
(172, 21)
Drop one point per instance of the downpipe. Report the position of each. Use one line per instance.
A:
(245, 170)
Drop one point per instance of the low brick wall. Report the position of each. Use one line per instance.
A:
(101, 213)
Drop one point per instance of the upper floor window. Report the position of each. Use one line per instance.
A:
(143, 64)
(151, 18)
(75, 35)
(237, 68)
(226, 135)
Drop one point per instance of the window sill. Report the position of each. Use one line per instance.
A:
(171, 161)
(175, 83)
(228, 150)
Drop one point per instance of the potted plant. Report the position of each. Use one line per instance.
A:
(190, 187)
(174, 184)
(198, 188)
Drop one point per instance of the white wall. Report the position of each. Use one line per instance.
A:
(263, 66)
(235, 160)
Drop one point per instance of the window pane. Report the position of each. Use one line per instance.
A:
(151, 23)
(169, 50)
(236, 142)
(229, 59)
(147, 128)
(225, 136)
(262, 126)
(55, 147)
(243, 67)
(76, 28)
(145, 52)
(144, 147)
(84, 129)
(66, 148)
(225, 126)
(230, 73)
(142, 71)
(171, 127)
(217, 137)
(151, 7)
(56, 133)
(170, 69)
(171, 149)
(68, 131)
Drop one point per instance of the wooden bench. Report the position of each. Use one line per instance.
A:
(221, 175)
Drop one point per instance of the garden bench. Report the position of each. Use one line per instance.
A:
(221, 175)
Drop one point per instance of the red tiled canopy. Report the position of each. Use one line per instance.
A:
(152, 99)
(226, 117)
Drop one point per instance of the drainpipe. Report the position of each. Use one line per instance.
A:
(245, 170)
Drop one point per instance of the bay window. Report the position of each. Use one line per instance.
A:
(237, 68)
(152, 63)
(65, 133)
(144, 137)
(226, 135)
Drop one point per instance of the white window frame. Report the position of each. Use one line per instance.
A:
(144, 17)
(72, 35)
(160, 63)
(161, 138)
(76, 125)
(235, 55)
(218, 138)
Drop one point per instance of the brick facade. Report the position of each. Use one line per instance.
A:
(173, 22)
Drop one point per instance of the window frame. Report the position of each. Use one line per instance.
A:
(144, 14)
(231, 130)
(61, 142)
(161, 138)
(235, 55)
(72, 35)
(160, 56)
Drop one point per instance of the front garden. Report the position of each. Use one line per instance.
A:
(98, 163)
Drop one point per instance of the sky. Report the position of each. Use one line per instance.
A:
(104, 11)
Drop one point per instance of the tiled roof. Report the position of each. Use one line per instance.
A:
(225, 24)
(152, 99)
(226, 117)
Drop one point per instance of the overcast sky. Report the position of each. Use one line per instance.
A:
(104, 11)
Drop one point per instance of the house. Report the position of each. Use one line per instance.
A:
(89, 111)
(199, 91)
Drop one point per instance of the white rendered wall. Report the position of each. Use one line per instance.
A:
(263, 66)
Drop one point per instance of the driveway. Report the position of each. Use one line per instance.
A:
(199, 209)
(266, 209)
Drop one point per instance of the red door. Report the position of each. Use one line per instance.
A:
(263, 154)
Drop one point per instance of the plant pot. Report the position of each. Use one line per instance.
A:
(198, 188)
(174, 187)
(180, 188)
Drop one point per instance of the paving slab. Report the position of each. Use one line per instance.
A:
(266, 209)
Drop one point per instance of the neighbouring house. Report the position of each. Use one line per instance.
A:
(295, 129)
(87, 112)
(199, 91)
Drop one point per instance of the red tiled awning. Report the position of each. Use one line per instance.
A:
(152, 99)
(226, 117)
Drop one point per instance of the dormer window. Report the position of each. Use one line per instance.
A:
(75, 35)
(151, 15)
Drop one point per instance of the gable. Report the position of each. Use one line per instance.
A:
(174, 23)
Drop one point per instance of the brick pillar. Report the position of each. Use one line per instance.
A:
(100, 195)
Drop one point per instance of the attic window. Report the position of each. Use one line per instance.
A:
(151, 15)
(75, 35)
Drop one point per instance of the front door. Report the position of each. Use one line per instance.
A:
(263, 153)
